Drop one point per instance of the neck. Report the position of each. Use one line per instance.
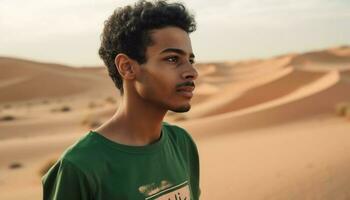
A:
(136, 122)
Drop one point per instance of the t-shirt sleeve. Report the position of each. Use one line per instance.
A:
(64, 181)
(195, 166)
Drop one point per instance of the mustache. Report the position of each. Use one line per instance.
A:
(188, 83)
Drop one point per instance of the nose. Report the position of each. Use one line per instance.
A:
(190, 73)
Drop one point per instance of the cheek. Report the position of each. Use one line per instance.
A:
(164, 85)
(158, 85)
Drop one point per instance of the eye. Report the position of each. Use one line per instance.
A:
(192, 61)
(172, 59)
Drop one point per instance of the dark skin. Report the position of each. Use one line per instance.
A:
(152, 88)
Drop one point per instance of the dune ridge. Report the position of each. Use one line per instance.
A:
(298, 105)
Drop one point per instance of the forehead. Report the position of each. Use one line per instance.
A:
(169, 37)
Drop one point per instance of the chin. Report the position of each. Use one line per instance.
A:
(181, 109)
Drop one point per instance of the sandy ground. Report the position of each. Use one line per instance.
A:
(265, 129)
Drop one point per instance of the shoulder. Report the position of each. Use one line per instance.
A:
(67, 180)
(180, 135)
(185, 143)
(71, 166)
(83, 153)
(177, 131)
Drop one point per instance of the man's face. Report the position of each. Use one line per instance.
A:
(167, 78)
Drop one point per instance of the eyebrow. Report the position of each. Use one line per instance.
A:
(179, 51)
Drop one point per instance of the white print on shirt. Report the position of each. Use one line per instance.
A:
(153, 188)
(177, 192)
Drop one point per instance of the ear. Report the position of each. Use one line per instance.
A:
(125, 65)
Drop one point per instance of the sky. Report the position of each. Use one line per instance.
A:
(68, 32)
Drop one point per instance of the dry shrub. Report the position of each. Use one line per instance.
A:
(347, 113)
(90, 122)
(111, 100)
(94, 124)
(6, 106)
(45, 168)
(15, 165)
(61, 109)
(65, 109)
(93, 105)
(341, 108)
(7, 118)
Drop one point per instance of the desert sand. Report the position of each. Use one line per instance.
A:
(274, 129)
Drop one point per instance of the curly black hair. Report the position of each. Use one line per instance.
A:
(127, 31)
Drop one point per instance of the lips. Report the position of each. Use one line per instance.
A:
(186, 91)
(186, 88)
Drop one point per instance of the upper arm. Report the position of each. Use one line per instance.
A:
(65, 181)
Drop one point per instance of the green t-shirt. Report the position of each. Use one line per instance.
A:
(97, 168)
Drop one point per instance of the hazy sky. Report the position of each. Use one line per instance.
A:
(68, 31)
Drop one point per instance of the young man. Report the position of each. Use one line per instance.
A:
(135, 155)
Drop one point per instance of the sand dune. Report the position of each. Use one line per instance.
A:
(235, 90)
(33, 80)
(320, 97)
(249, 70)
(266, 92)
(323, 60)
(324, 56)
(265, 129)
